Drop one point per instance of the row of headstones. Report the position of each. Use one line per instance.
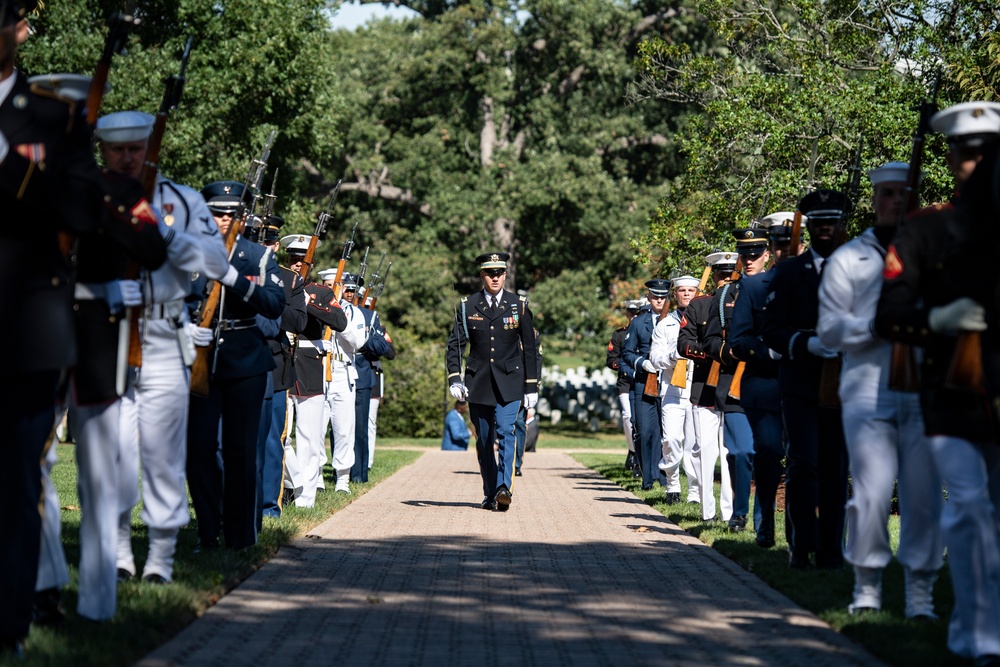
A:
(574, 394)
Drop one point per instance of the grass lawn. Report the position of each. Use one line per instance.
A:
(548, 438)
(149, 615)
(826, 593)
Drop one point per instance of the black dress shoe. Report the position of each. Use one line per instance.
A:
(155, 580)
(503, 498)
(47, 609)
(737, 524)
(517, 472)
(799, 561)
(672, 498)
(488, 504)
(123, 575)
(764, 540)
(636, 473)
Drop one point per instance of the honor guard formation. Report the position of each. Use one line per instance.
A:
(189, 338)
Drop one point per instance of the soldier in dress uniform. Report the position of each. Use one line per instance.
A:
(704, 406)
(751, 246)
(293, 320)
(817, 457)
(225, 498)
(883, 427)
(646, 409)
(677, 417)
(626, 380)
(377, 391)
(154, 408)
(50, 187)
(309, 390)
(375, 347)
(759, 387)
(499, 371)
(935, 285)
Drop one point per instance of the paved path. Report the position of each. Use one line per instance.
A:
(414, 573)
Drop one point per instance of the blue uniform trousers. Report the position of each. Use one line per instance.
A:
(495, 423)
(769, 449)
(226, 503)
(738, 439)
(362, 408)
(646, 420)
(272, 469)
(817, 479)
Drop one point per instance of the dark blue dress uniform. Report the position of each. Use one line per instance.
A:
(375, 347)
(645, 409)
(817, 454)
(226, 503)
(49, 183)
(499, 371)
(760, 398)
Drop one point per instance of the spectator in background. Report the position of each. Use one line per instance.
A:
(456, 432)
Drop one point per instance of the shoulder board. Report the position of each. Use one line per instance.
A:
(933, 208)
(53, 93)
(523, 298)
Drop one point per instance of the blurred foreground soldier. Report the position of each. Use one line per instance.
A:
(707, 417)
(309, 391)
(646, 407)
(154, 408)
(626, 380)
(293, 320)
(932, 293)
(456, 431)
(499, 371)
(677, 418)
(751, 246)
(759, 394)
(225, 498)
(817, 456)
(49, 184)
(883, 428)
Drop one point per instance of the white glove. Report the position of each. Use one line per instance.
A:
(131, 292)
(458, 391)
(230, 278)
(530, 400)
(815, 346)
(774, 355)
(200, 336)
(960, 315)
(648, 366)
(4, 147)
(327, 345)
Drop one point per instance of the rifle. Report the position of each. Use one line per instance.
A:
(903, 371)
(381, 286)
(796, 240)
(338, 288)
(829, 378)
(320, 231)
(373, 283)
(362, 270)
(150, 170)
(679, 377)
(211, 306)
(266, 210)
(119, 26)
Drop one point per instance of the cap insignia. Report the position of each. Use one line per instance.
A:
(977, 112)
(494, 258)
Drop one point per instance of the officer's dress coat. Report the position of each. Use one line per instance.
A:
(720, 316)
(502, 362)
(759, 387)
(690, 345)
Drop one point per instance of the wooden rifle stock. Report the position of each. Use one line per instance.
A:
(903, 369)
(201, 368)
(713, 375)
(119, 26)
(736, 383)
(796, 239)
(829, 383)
(652, 385)
(965, 372)
(678, 378)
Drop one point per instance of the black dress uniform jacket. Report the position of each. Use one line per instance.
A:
(293, 320)
(626, 375)
(690, 345)
(716, 346)
(323, 310)
(501, 366)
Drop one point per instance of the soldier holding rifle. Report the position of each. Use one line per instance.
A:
(240, 361)
(928, 299)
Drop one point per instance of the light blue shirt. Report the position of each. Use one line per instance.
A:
(456, 433)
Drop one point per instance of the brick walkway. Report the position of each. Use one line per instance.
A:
(414, 573)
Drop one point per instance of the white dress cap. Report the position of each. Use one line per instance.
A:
(124, 126)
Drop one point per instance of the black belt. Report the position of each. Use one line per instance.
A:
(236, 325)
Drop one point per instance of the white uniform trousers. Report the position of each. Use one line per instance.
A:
(692, 456)
(372, 424)
(96, 433)
(885, 439)
(708, 431)
(675, 413)
(291, 477)
(154, 418)
(970, 525)
(310, 431)
(52, 569)
(625, 401)
(340, 411)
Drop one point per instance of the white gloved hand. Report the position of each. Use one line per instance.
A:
(530, 400)
(230, 278)
(815, 346)
(328, 345)
(458, 391)
(4, 147)
(200, 336)
(131, 292)
(648, 366)
(774, 355)
(960, 315)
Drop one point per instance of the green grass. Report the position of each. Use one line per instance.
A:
(150, 615)
(886, 634)
(550, 437)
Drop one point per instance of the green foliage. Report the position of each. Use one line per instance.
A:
(571, 308)
(416, 394)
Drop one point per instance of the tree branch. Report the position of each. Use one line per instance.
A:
(377, 186)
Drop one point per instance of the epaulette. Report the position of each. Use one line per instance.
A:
(930, 209)
(523, 298)
(464, 299)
